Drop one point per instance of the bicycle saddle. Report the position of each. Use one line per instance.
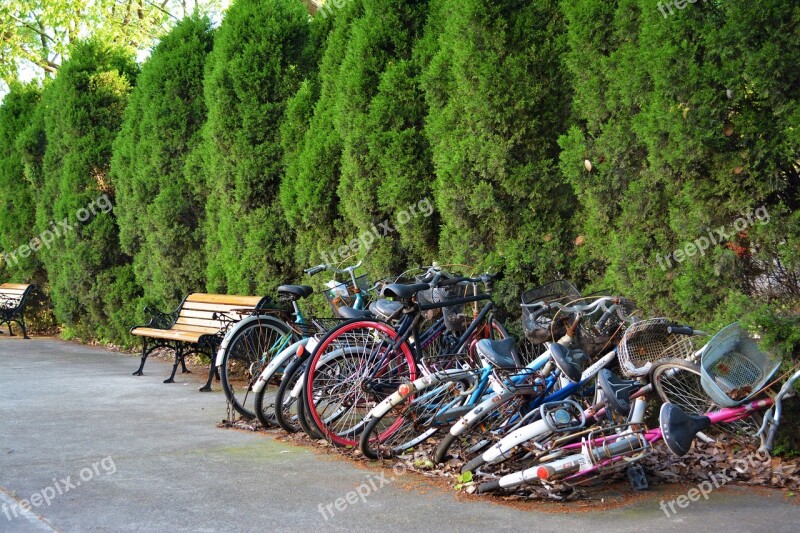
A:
(500, 353)
(403, 291)
(350, 312)
(679, 429)
(617, 391)
(570, 362)
(386, 309)
(294, 292)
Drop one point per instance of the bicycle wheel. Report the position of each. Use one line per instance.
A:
(354, 367)
(250, 348)
(678, 381)
(289, 412)
(419, 420)
(480, 436)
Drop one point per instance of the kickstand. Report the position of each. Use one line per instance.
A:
(637, 478)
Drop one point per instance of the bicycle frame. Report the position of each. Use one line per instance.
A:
(409, 326)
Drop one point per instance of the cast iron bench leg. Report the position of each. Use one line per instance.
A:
(144, 357)
(211, 372)
(178, 358)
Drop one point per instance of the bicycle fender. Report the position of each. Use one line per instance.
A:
(277, 361)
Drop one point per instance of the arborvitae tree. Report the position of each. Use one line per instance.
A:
(313, 150)
(258, 62)
(386, 167)
(17, 205)
(689, 128)
(83, 109)
(159, 214)
(498, 98)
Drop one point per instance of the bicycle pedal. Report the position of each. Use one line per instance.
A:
(637, 478)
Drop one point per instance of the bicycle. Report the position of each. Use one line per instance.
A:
(250, 345)
(443, 397)
(573, 458)
(512, 406)
(346, 299)
(361, 362)
(289, 409)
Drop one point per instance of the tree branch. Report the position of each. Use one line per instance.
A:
(161, 8)
(32, 28)
(39, 61)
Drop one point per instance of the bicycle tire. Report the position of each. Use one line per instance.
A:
(337, 393)
(285, 408)
(246, 355)
(417, 420)
(473, 441)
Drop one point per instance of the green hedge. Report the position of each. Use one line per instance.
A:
(597, 140)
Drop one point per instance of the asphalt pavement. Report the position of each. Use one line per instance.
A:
(86, 446)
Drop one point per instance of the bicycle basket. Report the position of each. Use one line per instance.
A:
(537, 317)
(648, 341)
(733, 369)
(454, 317)
(596, 338)
(342, 294)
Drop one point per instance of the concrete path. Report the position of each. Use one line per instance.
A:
(96, 449)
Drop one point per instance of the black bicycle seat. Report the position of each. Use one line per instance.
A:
(386, 309)
(294, 292)
(403, 291)
(680, 429)
(350, 312)
(617, 391)
(500, 353)
(570, 362)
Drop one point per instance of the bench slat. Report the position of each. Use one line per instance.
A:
(167, 334)
(12, 292)
(197, 329)
(220, 308)
(226, 299)
(206, 323)
(16, 286)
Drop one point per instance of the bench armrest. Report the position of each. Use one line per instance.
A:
(159, 319)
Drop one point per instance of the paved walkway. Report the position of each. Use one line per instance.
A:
(100, 450)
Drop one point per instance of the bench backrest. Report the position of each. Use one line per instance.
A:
(12, 295)
(197, 311)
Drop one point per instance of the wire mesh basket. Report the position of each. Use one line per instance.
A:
(537, 315)
(733, 368)
(343, 294)
(456, 317)
(596, 335)
(648, 341)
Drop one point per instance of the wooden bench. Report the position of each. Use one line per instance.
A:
(13, 297)
(196, 326)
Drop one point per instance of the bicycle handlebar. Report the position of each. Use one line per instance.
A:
(323, 267)
(315, 270)
(684, 330)
(577, 308)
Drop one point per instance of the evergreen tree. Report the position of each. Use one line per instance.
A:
(82, 112)
(17, 207)
(386, 167)
(498, 98)
(258, 62)
(313, 146)
(159, 214)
